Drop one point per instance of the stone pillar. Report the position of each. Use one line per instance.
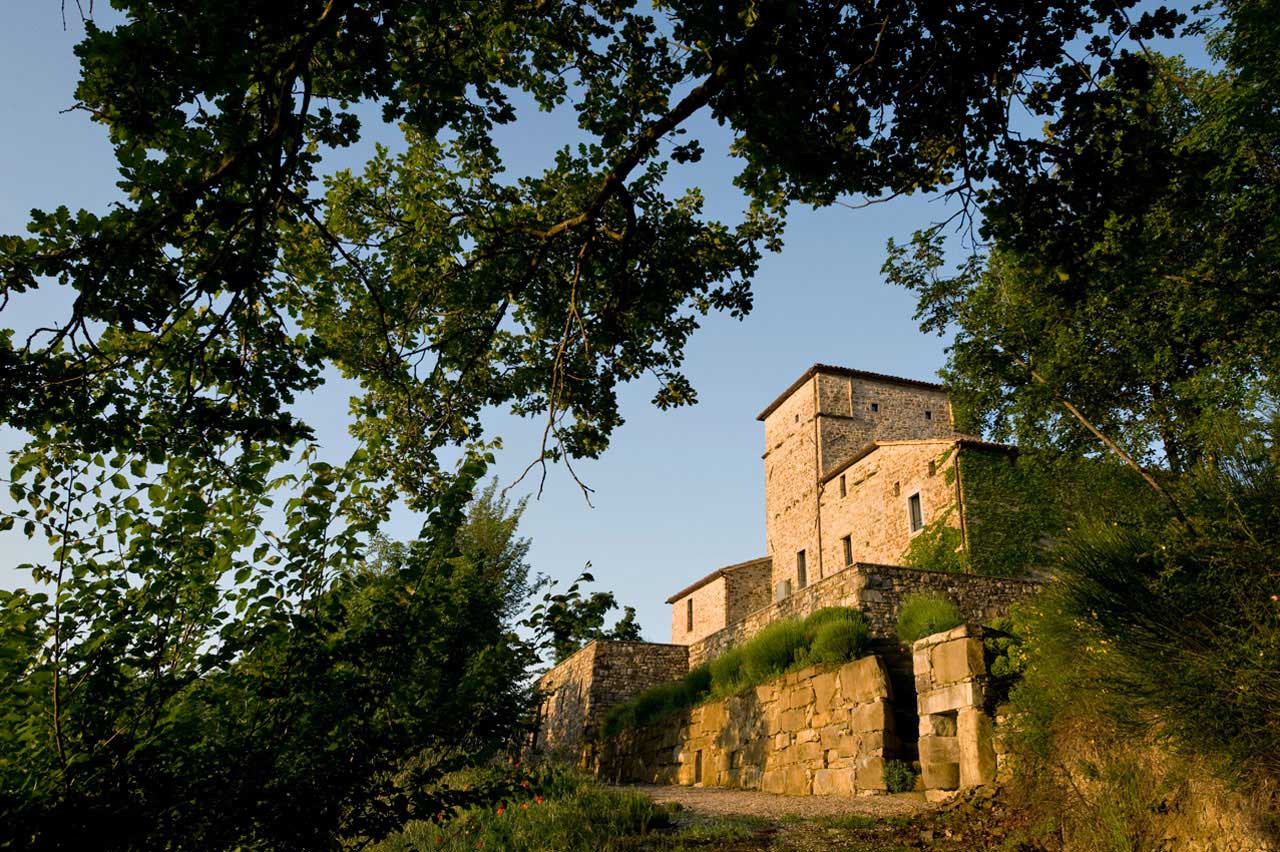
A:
(956, 747)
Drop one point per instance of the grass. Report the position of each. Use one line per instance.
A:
(579, 815)
(829, 637)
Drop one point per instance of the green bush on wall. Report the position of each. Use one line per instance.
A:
(926, 613)
(828, 637)
(836, 635)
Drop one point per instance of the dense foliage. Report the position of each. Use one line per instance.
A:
(828, 637)
(1128, 299)
(333, 722)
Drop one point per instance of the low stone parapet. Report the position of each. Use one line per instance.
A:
(957, 749)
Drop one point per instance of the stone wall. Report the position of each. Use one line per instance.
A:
(719, 599)
(710, 612)
(791, 486)
(821, 732)
(821, 423)
(580, 690)
(878, 590)
(747, 589)
(874, 513)
(848, 421)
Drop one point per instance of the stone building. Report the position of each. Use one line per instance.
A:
(859, 468)
(856, 465)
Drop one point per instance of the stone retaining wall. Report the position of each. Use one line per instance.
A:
(580, 690)
(878, 590)
(821, 732)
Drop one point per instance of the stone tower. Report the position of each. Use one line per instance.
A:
(827, 416)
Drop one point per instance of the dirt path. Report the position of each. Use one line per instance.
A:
(722, 801)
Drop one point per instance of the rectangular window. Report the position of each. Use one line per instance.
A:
(917, 516)
(928, 415)
(802, 574)
(875, 406)
(847, 541)
(843, 490)
(897, 489)
(933, 468)
(688, 615)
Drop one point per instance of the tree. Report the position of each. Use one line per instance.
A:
(332, 726)
(217, 292)
(571, 620)
(1131, 291)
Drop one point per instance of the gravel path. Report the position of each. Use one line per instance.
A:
(725, 801)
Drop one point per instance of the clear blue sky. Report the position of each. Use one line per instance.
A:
(679, 493)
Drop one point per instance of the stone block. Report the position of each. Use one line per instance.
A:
(848, 745)
(951, 697)
(796, 781)
(793, 720)
(864, 680)
(977, 751)
(773, 781)
(810, 753)
(781, 741)
(715, 716)
(920, 661)
(832, 782)
(800, 697)
(807, 735)
(939, 750)
(831, 736)
(870, 773)
(940, 776)
(957, 660)
(825, 691)
(938, 725)
(872, 716)
(876, 742)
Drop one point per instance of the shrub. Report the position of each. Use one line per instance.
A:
(838, 638)
(899, 776)
(772, 651)
(726, 672)
(926, 613)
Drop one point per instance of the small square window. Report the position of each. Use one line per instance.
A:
(688, 615)
(843, 489)
(802, 574)
(897, 489)
(916, 513)
(928, 415)
(875, 406)
(847, 543)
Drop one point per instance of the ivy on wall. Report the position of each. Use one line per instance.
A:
(1016, 506)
